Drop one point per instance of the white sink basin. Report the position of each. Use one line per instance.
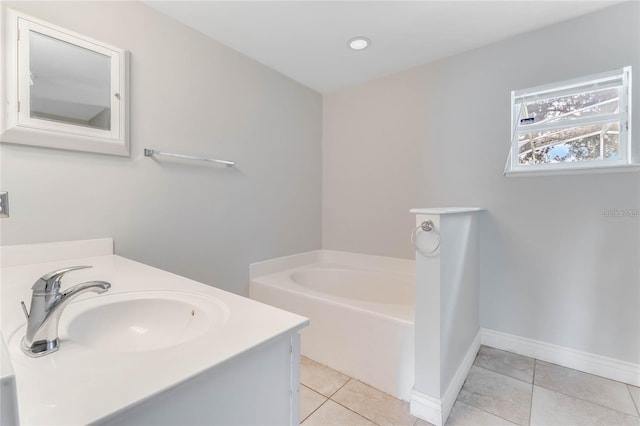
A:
(140, 321)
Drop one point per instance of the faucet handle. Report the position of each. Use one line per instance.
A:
(24, 309)
(50, 283)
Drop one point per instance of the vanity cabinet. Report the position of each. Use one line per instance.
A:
(259, 387)
(228, 361)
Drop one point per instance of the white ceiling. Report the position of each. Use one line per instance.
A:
(307, 40)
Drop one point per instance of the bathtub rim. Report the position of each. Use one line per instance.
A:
(345, 258)
(281, 281)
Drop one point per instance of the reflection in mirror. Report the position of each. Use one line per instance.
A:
(69, 84)
(60, 89)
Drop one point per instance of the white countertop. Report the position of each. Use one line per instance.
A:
(78, 385)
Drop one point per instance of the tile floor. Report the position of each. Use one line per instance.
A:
(502, 388)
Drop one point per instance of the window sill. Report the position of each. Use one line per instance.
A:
(618, 168)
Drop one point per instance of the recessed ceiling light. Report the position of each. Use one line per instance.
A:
(359, 43)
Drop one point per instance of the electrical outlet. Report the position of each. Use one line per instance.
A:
(4, 204)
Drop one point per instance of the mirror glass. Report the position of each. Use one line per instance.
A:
(69, 84)
(60, 89)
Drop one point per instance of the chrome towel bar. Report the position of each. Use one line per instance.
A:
(151, 152)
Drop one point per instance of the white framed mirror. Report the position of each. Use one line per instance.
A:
(62, 89)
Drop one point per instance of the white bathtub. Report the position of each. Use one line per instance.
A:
(361, 309)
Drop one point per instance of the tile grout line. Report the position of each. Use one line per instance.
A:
(586, 373)
(317, 408)
(498, 372)
(566, 394)
(508, 377)
(376, 389)
(503, 363)
(586, 400)
(488, 412)
(336, 402)
(632, 399)
(327, 398)
(482, 409)
(353, 411)
(582, 372)
(503, 374)
(349, 379)
(533, 384)
(338, 390)
(590, 402)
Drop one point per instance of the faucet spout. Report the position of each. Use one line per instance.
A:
(46, 308)
(94, 286)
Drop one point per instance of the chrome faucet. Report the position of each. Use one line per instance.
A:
(47, 304)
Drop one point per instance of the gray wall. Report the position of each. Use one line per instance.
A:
(553, 268)
(189, 94)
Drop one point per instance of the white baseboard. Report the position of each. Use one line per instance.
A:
(436, 411)
(610, 368)
(426, 408)
(461, 375)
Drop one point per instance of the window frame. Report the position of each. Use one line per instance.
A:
(620, 77)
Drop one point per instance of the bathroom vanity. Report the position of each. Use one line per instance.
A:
(157, 348)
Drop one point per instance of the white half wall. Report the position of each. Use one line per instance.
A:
(447, 328)
(189, 94)
(553, 267)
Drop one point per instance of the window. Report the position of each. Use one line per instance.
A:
(572, 125)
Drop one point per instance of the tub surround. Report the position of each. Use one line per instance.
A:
(447, 322)
(363, 331)
(244, 361)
